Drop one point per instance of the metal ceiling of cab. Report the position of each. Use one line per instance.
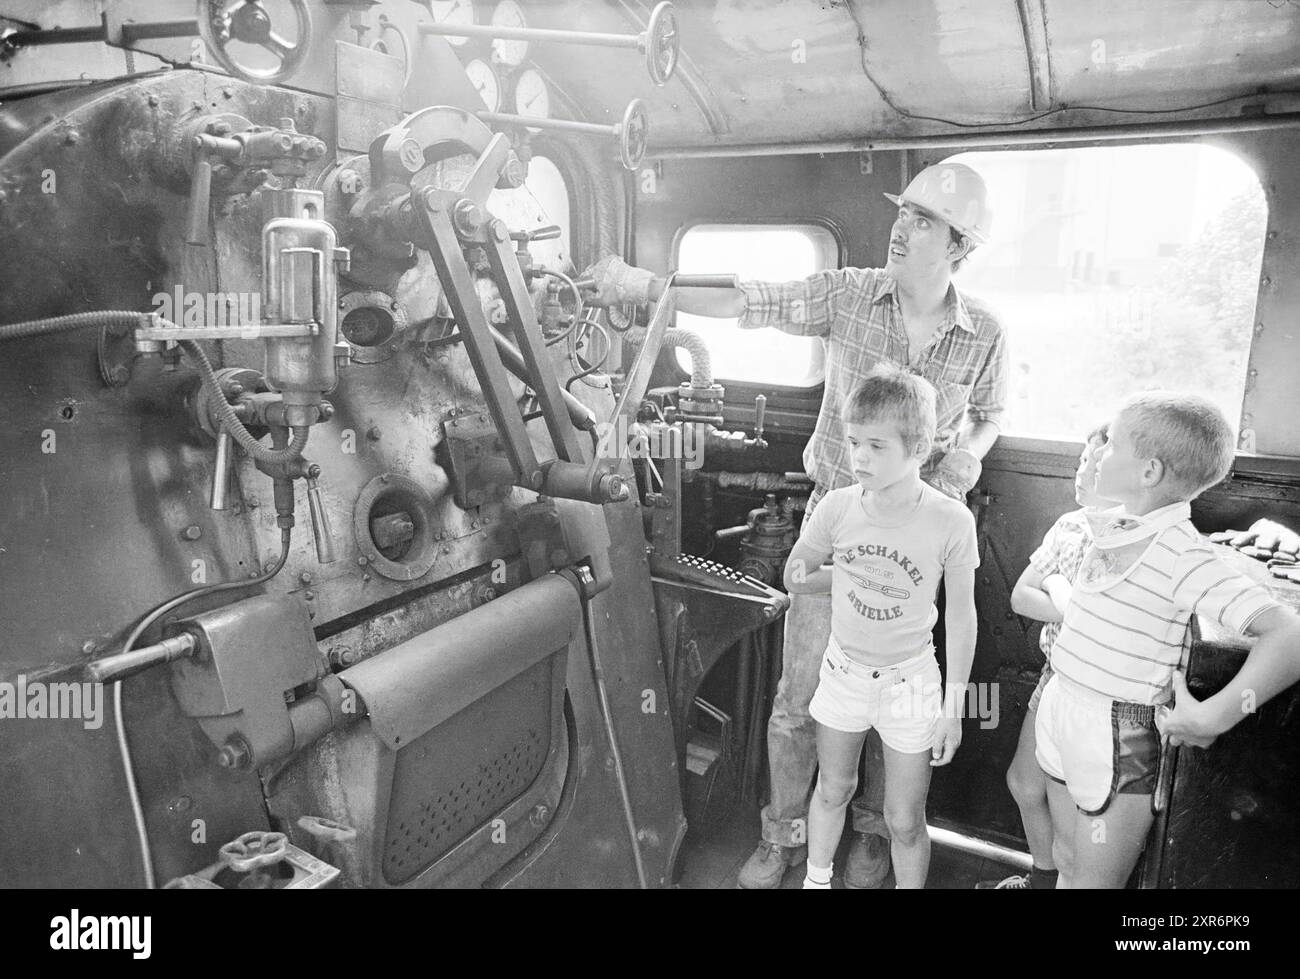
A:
(862, 74)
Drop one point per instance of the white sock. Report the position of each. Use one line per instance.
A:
(817, 878)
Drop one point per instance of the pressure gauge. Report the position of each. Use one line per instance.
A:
(484, 79)
(512, 53)
(532, 95)
(452, 12)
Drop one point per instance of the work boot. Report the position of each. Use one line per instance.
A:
(766, 865)
(868, 862)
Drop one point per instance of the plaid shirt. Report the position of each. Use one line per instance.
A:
(1061, 552)
(857, 313)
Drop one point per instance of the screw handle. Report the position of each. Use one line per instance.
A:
(320, 524)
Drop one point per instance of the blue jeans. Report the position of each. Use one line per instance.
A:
(792, 734)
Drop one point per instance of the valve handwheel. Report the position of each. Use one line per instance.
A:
(634, 133)
(246, 21)
(662, 43)
(254, 850)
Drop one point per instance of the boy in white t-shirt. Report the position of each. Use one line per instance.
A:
(890, 538)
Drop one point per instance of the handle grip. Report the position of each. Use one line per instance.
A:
(196, 219)
(681, 281)
(320, 524)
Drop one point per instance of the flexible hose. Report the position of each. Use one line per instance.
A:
(701, 365)
(123, 745)
(230, 421)
(131, 319)
(73, 321)
(582, 374)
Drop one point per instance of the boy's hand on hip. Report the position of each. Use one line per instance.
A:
(1190, 722)
(947, 739)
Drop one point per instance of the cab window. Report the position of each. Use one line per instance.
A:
(1118, 269)
(769, 252)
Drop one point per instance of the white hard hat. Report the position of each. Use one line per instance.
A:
(954, 192)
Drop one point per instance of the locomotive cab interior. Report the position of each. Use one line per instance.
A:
(349, 540)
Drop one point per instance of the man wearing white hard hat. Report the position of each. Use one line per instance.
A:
(909, 314)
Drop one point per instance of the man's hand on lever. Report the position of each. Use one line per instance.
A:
(614, 282)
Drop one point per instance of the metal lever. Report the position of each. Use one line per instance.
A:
(221, 471)
(760, 409)
(659, 42)
(320, 524)
(206, 148)
(547, 233)
(110, 669)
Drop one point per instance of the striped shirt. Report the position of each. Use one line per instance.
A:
(1124, 632)
(1061, 552)
(857, 313)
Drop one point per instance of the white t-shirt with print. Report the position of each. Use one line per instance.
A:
(886, 576)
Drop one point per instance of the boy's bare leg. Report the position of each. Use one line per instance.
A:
(1106, 847)
(1064, 811)
(1028, 787)
(837, 762)
(907, 783)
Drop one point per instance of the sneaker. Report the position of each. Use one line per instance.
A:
(766, 865)
(1018, 883)
(868, 862)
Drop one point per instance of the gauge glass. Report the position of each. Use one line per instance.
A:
(452, 12)
(509, 52)
(484, 79)
(532, 95)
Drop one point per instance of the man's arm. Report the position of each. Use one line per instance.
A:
(977, 437)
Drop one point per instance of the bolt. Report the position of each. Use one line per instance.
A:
(499, 231)
(366, 577)
(539, 815)
(349, 181)
(235, 389)
(309, 595)
(88, 647)
(192, 532)
(305, 577)
(234, 754)
(72, 138)
(119, 375)
(152, 99)
(228, 92)
(383, 478)
(374, 434)
(254, 503)
(363, 560)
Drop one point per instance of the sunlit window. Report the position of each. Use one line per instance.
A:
(1119, 269)
(775, 253)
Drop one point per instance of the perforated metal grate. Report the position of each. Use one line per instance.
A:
(458, 775)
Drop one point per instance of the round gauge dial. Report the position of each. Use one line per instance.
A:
(509, 14)
(452, 12)
(532, 95)
(484, 79)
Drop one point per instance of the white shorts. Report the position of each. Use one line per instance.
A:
(1097, 748)
(902, 702)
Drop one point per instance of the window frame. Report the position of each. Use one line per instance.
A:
(781, 397)
(1009, 451)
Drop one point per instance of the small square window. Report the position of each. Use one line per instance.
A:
(765, 252)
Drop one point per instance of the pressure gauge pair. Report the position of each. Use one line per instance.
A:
(507, 15)
(532, 96)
